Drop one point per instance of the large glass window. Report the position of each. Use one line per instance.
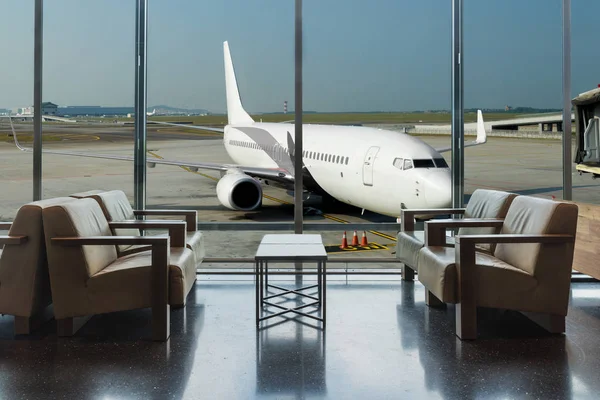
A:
(16, 97)
(523, 156)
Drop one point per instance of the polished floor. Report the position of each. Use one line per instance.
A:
(381, 342)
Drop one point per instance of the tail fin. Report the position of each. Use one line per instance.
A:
(235, 111)
(481, 134)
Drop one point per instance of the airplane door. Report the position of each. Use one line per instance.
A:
(368, 165)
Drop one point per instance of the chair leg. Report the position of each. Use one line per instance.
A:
(26, 325)
(408, 274)
(161, 321)
(551, 323)
(466, 321)
(431, 300)
(23, 325)
(466, 309)
(70, 326)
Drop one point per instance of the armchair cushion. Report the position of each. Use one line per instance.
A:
(486, 203)
(497, 281)
(128, 280)
(410, 242)
(195, 242)
(532, 215)
(116, 207)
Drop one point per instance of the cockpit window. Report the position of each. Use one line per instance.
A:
(440, 163)
(399, 163)
(426, 163)
(408, 164)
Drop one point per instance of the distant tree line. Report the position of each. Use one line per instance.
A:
(517, 110)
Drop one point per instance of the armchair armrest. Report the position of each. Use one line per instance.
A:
(435, 231)
(110, 240)
(176, 228)
(515, 238)
(4, 226)
(160, 272)
(5, 240)
(191, 216)
(408, 216)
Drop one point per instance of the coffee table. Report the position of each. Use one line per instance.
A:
(290, 248)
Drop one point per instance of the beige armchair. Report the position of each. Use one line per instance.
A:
(88, 278)
(24, 283)
(529, 270)
(482, 204)
(116, 207)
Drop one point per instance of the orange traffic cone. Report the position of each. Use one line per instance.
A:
(355, 239)
(344, 242)
(364, 242)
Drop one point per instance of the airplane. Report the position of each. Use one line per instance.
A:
(372, 169)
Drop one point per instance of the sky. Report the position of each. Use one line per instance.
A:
(380, 55)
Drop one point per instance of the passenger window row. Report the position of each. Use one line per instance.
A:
(242, 143)
(332, 158)
(313, 155)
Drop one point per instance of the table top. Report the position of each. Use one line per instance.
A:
(292, 239)
(291, 252)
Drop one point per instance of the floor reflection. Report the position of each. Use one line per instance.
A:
(290, 361)
(512, 358)
(290, 349)
(111, 356)
(382, 343)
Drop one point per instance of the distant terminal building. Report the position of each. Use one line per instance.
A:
(96, 111)
(49, 108)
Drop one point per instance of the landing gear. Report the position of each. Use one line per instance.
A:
(307, 211)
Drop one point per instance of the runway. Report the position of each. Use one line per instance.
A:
(531, 167)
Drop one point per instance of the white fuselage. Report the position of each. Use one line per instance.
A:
(378, 170)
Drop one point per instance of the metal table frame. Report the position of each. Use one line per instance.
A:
(286, 248)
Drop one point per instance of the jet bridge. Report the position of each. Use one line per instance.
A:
(587, 126)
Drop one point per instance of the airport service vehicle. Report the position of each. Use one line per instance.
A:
(587, 126)
(377, 170)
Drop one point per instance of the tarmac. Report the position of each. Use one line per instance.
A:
(525, 166)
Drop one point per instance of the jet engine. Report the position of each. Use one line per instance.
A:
(238, 191)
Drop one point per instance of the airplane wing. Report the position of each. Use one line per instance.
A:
(481, 135)
(274, 174)
(44, 118)
(203, 128)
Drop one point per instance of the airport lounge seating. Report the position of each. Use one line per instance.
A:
(116, 207)
(24, 283)
(87, 277)
(529, 270)
(482, 204)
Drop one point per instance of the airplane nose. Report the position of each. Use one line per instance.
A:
(438, 190)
